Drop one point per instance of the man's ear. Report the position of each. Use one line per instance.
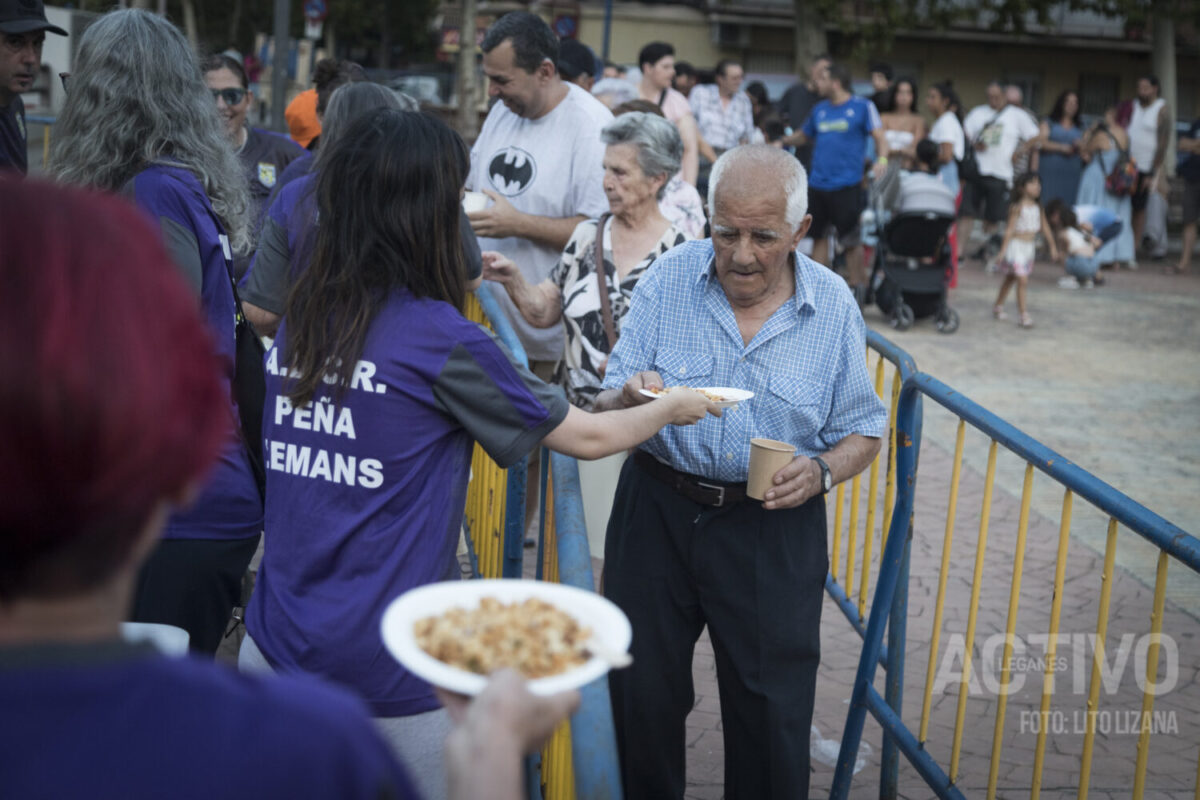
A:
(546, 70)
(802, 230)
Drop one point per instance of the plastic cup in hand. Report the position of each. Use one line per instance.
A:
(767, 457)
(474, 201)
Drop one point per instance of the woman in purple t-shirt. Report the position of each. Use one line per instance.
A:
(139, 120)
(377, 390)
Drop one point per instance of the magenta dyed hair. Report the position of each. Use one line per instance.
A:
(110, 400)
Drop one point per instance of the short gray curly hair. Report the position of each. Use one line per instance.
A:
(659, 148)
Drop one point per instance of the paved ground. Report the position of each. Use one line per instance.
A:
(1111, 379)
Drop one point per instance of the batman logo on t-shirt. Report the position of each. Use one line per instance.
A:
(512, 171)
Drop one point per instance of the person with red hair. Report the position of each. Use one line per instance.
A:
(101, 438)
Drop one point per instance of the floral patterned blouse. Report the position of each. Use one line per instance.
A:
(575, 275)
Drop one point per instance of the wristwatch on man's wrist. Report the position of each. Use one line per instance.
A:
(826, 475)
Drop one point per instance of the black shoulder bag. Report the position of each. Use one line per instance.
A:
(968, 168)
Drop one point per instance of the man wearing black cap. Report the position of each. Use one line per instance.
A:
(23, 27)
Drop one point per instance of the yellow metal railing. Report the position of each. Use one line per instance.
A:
(558, 774)
(485, 516)
(487, 493)
(858, 560)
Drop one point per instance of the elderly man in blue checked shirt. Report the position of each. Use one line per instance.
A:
(685, 546)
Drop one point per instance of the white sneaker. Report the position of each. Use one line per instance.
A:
(1088, 283)
(1069, 282)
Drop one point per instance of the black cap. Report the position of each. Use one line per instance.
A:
(25, 16)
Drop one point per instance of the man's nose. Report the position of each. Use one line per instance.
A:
(493, 89)
(743, 252)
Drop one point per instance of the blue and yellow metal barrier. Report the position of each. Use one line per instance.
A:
(855, 558)
(495, 508)
(892, 580)
(580, 760)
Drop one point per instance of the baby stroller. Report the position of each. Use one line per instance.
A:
(908, 280)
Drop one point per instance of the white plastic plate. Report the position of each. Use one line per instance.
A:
(731, 396)
(607, 623)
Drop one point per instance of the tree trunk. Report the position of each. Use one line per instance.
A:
(1163, 61)
(189, 24)
(330, 39)
(468, 114)
(235, 22)
(810, 36)
(385, 40)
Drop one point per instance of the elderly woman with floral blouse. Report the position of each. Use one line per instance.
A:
(643, 153)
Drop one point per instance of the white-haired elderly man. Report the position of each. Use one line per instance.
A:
(685, 547)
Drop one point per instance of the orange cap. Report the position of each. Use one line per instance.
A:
(301, 116)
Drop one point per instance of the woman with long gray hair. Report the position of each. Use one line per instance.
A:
(140, 121)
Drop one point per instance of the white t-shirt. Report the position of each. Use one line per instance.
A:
(948, 129)
(551, 167)
(1013, 125)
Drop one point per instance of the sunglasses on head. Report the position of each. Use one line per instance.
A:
(232, 97)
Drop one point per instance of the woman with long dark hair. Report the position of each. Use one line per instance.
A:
(377, 390)
(1059, 164)
(903, 125)
(139, 120)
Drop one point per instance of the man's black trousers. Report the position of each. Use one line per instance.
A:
(755, 578)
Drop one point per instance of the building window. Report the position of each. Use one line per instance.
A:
(1031, 88)
(1098, 93)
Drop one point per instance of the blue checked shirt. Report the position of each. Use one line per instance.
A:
(722, 126)
(806, 365)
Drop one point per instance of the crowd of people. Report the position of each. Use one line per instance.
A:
(637, 234)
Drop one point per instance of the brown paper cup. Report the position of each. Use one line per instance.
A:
(767, 457)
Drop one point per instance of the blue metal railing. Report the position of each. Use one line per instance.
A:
(593, 736)
(891, 584)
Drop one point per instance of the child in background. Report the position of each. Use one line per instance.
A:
(1081, 231)
(1025, 221)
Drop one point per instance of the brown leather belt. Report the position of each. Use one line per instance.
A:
(699, 490)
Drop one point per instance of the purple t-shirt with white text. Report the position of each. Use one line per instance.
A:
(229, 506)
(365, 498)
(114, 720)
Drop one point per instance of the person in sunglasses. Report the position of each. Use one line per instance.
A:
(263, 154)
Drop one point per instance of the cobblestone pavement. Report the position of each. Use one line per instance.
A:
(1110, 378)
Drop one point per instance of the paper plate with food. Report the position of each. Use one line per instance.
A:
(454, 634)
(722, 396)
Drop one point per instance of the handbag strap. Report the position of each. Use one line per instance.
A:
(610, 330)
(988, 124)
(662, 98)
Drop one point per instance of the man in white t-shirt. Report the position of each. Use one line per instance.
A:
(995, 131)
(539, 158)
(1149, 137)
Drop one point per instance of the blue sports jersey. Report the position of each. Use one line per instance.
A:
(840, 135)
